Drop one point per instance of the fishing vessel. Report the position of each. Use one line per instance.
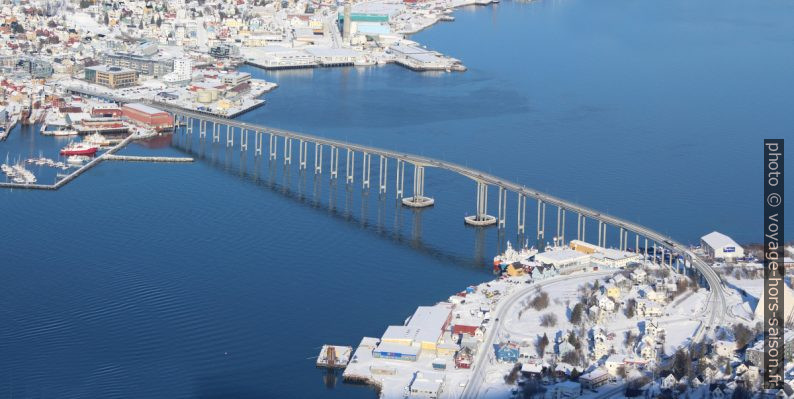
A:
(96, 139)
(79, 149)
(510, 256)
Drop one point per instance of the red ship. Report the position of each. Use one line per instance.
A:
(79, 149)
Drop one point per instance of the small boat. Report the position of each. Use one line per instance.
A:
(79, 149)
(76, 159)
(97, 139)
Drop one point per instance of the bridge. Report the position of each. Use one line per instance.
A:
(237, 134)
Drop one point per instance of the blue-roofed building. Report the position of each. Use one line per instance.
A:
(506, 352)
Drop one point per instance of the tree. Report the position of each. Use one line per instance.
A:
(106, 19)
(511, 378)
(631, 306)
(540, 301)
(682, 363)
(742, 334)
(576, 314)
(548, 320)
(575, 374)
(728, 367)
(572, 358)
(159, 21)
(543, 342)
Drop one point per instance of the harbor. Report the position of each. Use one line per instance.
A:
(209, 279)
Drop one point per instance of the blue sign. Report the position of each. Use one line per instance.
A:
(729, 249)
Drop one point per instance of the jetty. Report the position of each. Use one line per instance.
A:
(108, 155)
(134, 158)
(333, 356)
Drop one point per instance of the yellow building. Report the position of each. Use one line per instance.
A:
(514, 271)
(613, 292)
(582, 247)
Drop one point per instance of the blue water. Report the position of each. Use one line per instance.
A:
(222, 278)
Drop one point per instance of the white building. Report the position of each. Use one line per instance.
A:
(719, 246)
(183, 69)
(563, 258)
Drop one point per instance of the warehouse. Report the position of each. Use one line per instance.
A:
(150, 117)
(563, 258)
(719, 246)
(388, 350)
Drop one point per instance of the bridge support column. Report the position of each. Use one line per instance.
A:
(334, 162)
(561, 239)
(203, 129)
(502, 207)
(273, 147)
(287, 150)
(418, 200)
(620, 244)
(541, 223)
(522, 212)
(645, 251)
(400, 189)
(636, 244)
(258, 143)
(302, 150)
(243, 140)
(481, 218)
(365, 170)
(383, 169)
(350, 163)
(189, 127)
(318, 158)
(216, 133)
(229, 136)
(625, 240)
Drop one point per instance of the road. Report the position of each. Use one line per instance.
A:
(472, 389)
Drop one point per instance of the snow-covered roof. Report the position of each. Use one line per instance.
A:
(716, 239)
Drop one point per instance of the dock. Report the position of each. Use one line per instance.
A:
(9, 126)
(134, 158)
(333, 356)
(106, 156)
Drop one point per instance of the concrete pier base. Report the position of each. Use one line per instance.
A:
(485, 220)
(418, 201)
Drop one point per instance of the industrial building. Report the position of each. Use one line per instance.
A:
(150, 117)
(111, 76)
(424, 329)
(388, 350)
(719, 246)
(563, 258)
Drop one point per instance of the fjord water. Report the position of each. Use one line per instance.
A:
(223, 278)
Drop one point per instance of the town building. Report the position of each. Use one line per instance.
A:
(594, 379)
(755, 354)
(148, 116)
(388, 350)
(506, 352)
(111, 76)
(719, 246)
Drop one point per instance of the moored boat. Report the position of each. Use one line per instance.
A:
(79, 149)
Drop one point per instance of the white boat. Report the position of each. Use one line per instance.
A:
(76, 159)
(97, 139)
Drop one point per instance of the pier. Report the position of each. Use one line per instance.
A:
(134, 158)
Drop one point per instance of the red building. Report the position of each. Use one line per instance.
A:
(463, 359)
(464, 329)
(106, 112)
(143, 114)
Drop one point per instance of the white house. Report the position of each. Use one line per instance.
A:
(719, 246)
